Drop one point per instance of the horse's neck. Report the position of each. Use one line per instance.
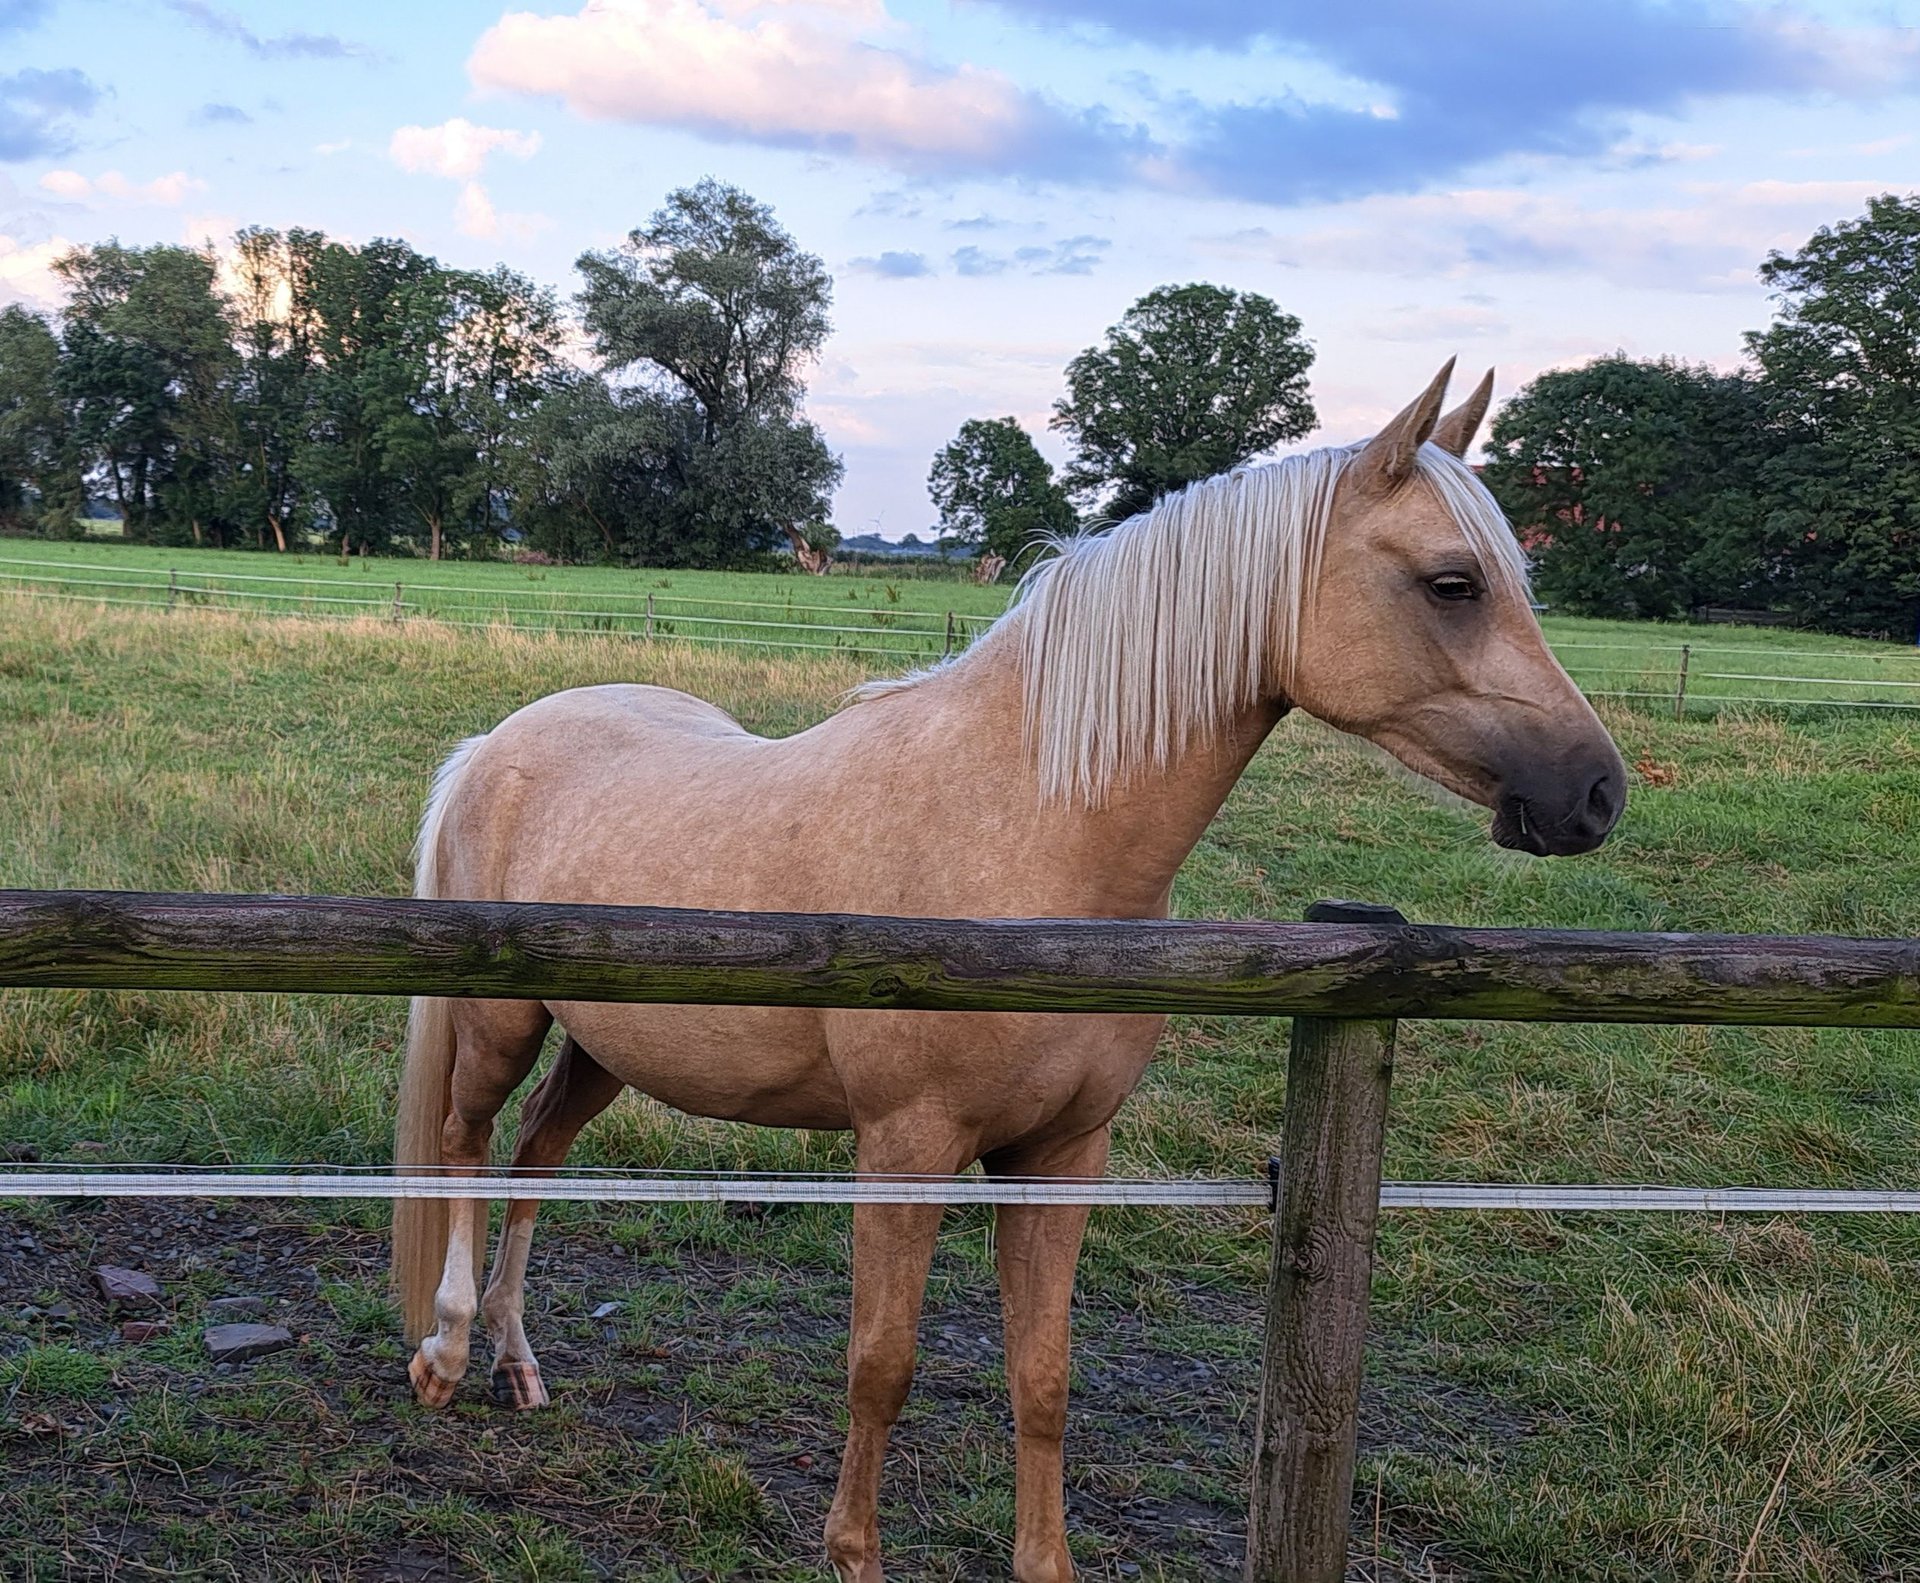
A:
(1116, 860)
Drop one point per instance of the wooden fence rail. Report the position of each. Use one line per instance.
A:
(560, 952)
(1344, 976)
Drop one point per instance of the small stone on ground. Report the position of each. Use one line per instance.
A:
(238, 1343)
(143, 1329)
(127, 1288)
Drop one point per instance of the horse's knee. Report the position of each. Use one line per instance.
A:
(879, 1375)
(1039, 1401)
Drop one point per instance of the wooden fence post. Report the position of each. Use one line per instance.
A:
(1338, 1072)
(173, 586)
(399, 604)
(649, 630)
(948, 650)
(1680, 692)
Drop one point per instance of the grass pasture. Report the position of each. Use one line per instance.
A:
(881, 622)
(1596, 1399)
(874, 621)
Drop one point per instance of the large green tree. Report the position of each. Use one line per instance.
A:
(148, 356)
(995, 492)
(1841, 369)
(1632, 483)
(40, 482)
(370, 312)
(716, 311)
(1192, 381)
(275, 387)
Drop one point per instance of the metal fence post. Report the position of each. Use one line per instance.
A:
(1680, 692)
(1328, 1198)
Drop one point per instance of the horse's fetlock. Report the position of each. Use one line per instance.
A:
(1050, 1564)
(854, 1550)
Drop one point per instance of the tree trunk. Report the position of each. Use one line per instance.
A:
(433, 540)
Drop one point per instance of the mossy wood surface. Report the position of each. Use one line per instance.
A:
(391, 946)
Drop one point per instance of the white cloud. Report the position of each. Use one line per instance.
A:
(457, 149)
(1712, 241)
(66, 184)
(792, 71)
(26, 271)
(169, 191)
(212, 230)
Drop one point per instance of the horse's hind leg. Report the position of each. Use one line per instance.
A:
(576, 1090)
(495, 1045)
(1038, 1247)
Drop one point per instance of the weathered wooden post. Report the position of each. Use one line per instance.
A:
(948, 650)
(1338, 1072)
(173, 586)
(649, 626)
(399, 603)
(1680, 691)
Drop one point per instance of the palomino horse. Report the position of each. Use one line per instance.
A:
(1064, 766)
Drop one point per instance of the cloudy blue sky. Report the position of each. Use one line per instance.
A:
(1524, 182)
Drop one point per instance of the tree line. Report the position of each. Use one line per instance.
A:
(300, 390)
(303, 389)
(1654, 488)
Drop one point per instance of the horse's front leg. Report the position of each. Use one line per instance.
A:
(1039, 1245)
(892, 1252)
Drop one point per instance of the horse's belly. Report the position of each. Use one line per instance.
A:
(766, 1065)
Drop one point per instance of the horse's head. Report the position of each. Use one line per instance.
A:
(1420, 637)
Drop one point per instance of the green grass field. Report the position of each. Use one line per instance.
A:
(871, 620)
(1578, 1398)
(876, 621)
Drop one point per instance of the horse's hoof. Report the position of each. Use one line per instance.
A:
(429, 1390)
(518, 1385)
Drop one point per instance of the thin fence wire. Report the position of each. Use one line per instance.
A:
(893, 635)
(656, 1187)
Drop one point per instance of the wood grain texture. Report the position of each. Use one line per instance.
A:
(1318, 1286)
(392, 946)
(354, 946)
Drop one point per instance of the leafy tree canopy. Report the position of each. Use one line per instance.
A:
(994, 490)
(1192, 381)
(1840, 367)
(1631, 481)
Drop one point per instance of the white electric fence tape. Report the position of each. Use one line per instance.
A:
(695, 1187)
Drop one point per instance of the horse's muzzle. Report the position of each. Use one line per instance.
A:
(1561, 816)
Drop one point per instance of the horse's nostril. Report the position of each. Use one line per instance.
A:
(1600, 799)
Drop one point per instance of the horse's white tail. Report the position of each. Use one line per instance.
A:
(426, 1084)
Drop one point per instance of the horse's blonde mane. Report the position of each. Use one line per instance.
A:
(1143, 640)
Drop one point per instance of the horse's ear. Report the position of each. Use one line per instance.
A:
(1387, 462)
(1456, 430)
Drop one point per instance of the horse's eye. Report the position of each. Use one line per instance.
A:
(1453, 586)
